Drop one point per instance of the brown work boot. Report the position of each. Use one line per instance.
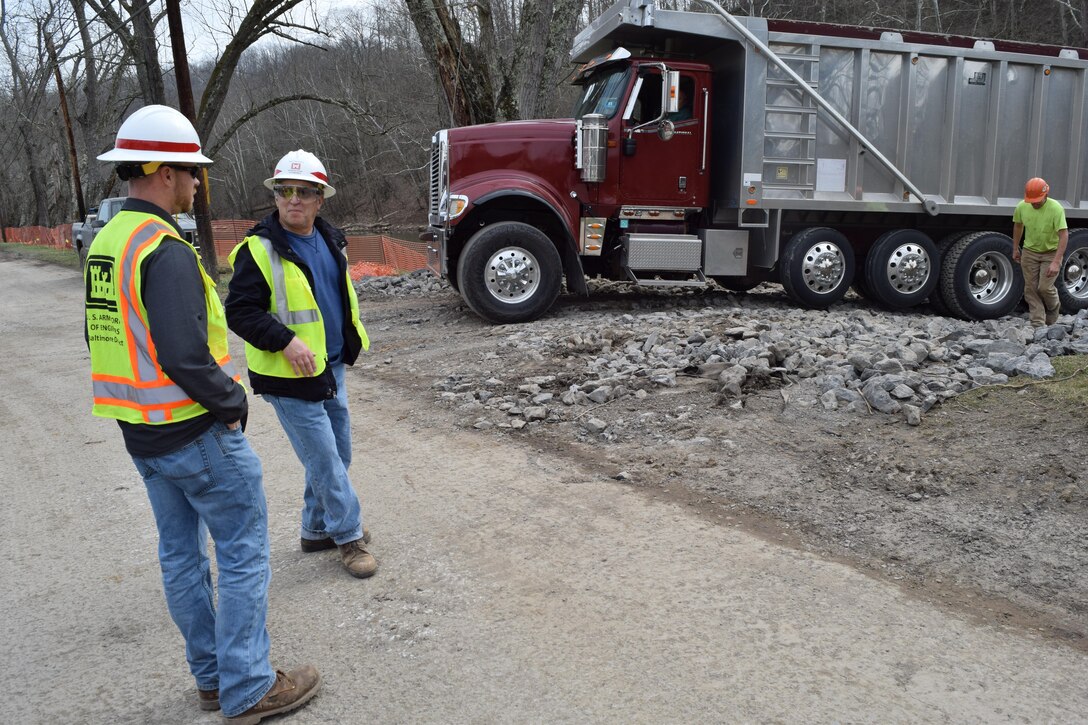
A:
(356, 560)
(309, 546)
(208, 699)
(291, 690)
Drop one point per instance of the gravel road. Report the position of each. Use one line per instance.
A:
(514, 585)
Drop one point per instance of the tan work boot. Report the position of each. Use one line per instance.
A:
(208, 699)
(291, 690)
(356, 560)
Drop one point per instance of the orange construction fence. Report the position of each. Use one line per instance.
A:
(370, 255)
(58, 237)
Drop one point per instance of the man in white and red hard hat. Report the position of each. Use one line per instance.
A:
(160, 366)
(292, 301)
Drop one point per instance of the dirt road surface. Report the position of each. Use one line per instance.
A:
(514, 585)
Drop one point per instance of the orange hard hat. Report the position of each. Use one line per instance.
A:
(1036, 190)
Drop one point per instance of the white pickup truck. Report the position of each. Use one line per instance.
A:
(83, 232)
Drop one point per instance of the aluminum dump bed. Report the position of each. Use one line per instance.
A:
(879, 121)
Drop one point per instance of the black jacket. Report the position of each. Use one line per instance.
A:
(249, 300)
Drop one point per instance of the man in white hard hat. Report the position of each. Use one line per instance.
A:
(160, 366)
(292, 301)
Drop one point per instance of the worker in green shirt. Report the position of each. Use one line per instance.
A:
(1047, 235)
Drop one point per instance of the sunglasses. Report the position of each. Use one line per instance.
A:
(304, 193)
(193, 171)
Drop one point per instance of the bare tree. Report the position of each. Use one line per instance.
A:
(136, 30)
(470, 53)
(97, 69)
(544, 36)
(264, 17)
(30, 73)
(463, 73)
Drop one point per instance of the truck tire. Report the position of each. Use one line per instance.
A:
(1072, 282)
(901, 269)
(817, 267)
(509, 272)
(935, 299)
(82, 257)
(978, 278)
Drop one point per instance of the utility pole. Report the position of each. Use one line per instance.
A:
(202, 203)
(72, 156)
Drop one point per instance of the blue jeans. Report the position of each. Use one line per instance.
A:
(320, 433)
(214, 485)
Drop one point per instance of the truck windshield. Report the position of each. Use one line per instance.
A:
(603, 92)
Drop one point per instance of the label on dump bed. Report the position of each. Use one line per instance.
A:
(831, 175)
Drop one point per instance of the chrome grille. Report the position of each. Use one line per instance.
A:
(439, 176)
(436, 172)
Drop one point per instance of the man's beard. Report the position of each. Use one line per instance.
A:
(185, 204)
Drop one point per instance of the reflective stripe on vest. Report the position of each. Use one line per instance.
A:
(279, 291)
(161, 394)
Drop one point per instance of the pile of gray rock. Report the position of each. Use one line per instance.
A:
(852, 357)
(420, 282)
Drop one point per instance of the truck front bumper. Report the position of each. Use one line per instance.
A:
(436, 250)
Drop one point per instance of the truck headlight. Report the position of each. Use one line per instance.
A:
(452, 207)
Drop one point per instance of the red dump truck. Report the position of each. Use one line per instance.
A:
(743, 150)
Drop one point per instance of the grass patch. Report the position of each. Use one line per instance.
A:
(50, 255)
(1069, 386)
(1067, 390)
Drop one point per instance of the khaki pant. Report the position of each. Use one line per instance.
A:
(1039, 292)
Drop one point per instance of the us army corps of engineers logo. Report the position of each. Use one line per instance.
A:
(101, 284)
(103, 321)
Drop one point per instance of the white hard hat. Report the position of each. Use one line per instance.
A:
(301, 166)
(156, 133)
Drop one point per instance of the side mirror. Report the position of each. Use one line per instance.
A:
(666, 130)
(97, 224)
(670, 91)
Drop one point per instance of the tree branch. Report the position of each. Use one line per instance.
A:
(261, 15)
(255, 111)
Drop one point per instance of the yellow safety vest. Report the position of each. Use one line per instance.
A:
(293, 304)
(128, 382)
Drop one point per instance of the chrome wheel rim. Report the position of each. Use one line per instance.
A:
(824, 267)
(991, 278)
(512, 275)
(1075, 274)
(908, 268)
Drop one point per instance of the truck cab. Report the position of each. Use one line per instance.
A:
(516, 205)
(657, 132)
